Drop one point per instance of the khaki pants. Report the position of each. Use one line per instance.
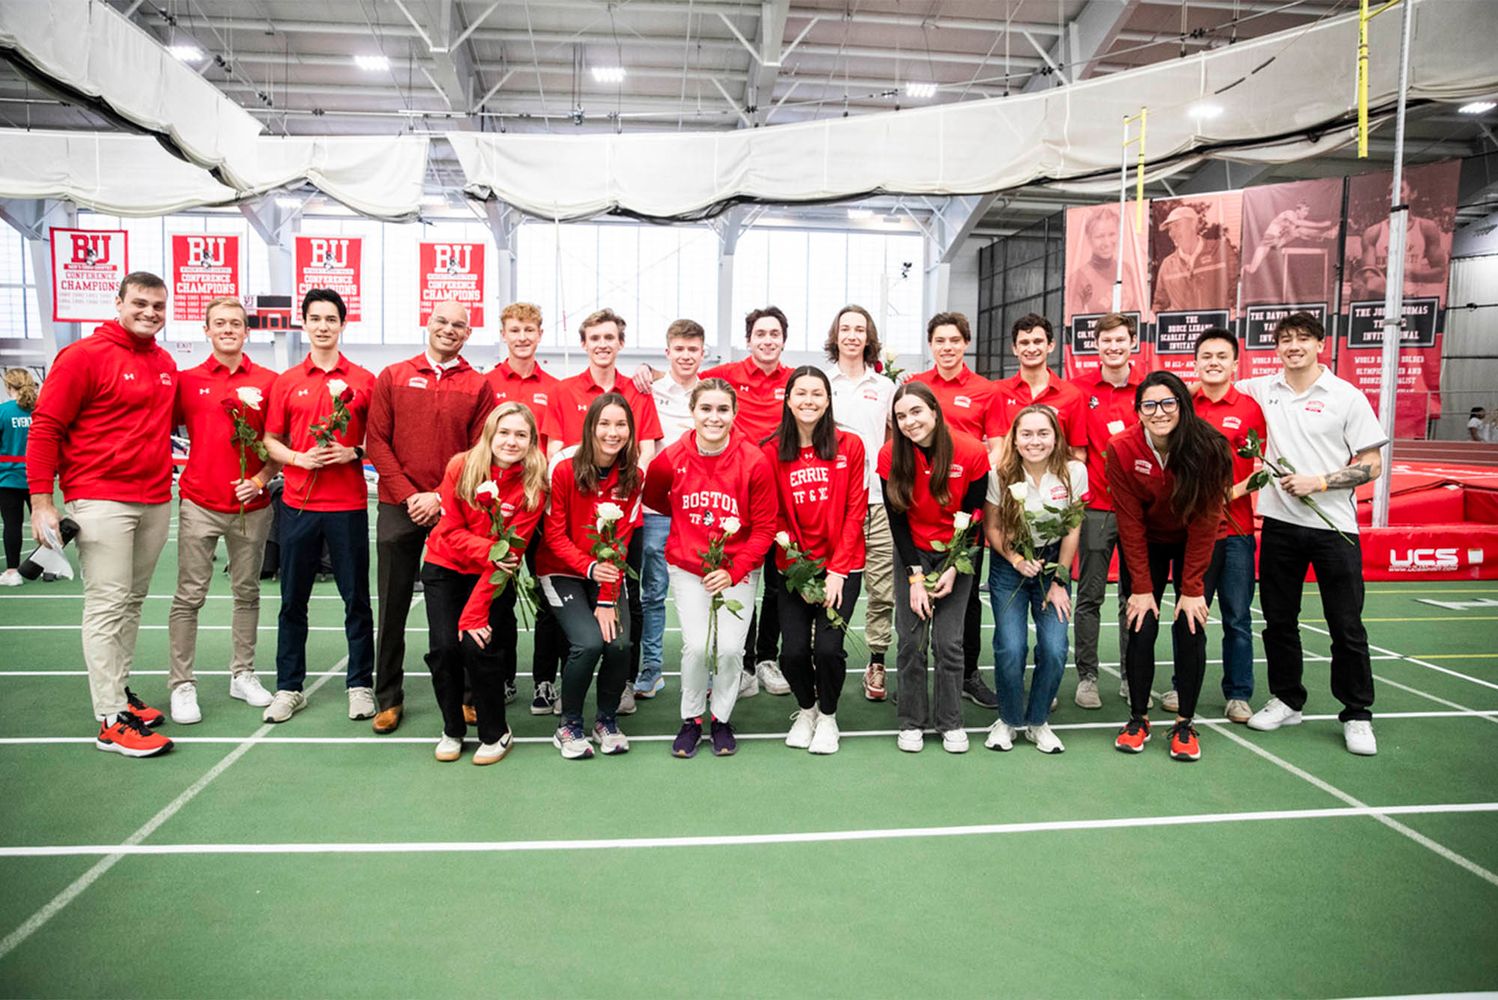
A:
(118, 545)
(879, 578)
(198, 532)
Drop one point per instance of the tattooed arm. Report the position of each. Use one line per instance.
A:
(1366, 466)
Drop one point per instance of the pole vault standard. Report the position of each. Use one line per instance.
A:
(1123, 196)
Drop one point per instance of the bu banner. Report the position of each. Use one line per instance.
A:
(452, 271)
(329, 262)
(204, 267)
(87, 268)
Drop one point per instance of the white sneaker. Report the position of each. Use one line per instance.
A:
(1170, 701)
(770, 678)
(1087, 696)
(827, 737)
(1044, 738)
(185, 709)
(1237, 710)
(449, 748)
(610, 739)
(11, 578)
(1000, 736)
(1358, 735)
(1274, 714)
(911, 740)
(247, 688)
(284, 705)
(954, 741)
(748, 685)
(493, 753)
(361, 703)
(803, 725)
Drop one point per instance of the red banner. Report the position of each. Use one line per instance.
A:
(87, 268)
(1194, 273)
(452, 271)
(1092, 253)
(204, 267)
(329, 262)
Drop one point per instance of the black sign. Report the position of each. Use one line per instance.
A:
(1365, 323)
(1084, 331)
(1176, 332)
(1260, 321)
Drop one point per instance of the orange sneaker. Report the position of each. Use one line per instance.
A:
(1183, 744)
(1133, 737)
(145, 713)
(873, 682)
(129, 736)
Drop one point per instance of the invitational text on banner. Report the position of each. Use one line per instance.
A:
(87, 268)
(452, 271)
(205, 266)
(329, 262)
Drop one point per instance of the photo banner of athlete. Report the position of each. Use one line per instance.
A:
(1430, 191)
(451, 271)
(1194, 259)
(329, 262)
(1092, 270)
(204, 267)
(87, 268)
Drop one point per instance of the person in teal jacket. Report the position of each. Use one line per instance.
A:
(15, 425)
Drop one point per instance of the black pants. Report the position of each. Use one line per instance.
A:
(398, 544)
(303, 535)
(1167, 562)
(764, 623)
(452, 660)
(812, 655)
(14, 502)
(549, 642)
(572, 601)
(1285, 553)
(972, 622)
(635, 560)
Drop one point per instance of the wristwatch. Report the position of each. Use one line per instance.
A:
(359, 452)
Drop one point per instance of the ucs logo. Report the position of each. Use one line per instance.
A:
(91, 248)
(1418, 559)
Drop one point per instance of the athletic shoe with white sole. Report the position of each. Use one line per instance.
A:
(1087, 696)
(725, 744)
(827, 737)
(1171, 701)
(130, 737)
(511, 692)
(185, 709)
(980, 694)
(911, 740)
(284, 705)
(652, 689)
(685, 744)
(361, 703)
(1237, 710)
(493, 753)
(449, 748)
(803, 725)
(611, 741)
(545, 702)
(1274, 714)
(1133, 737)
(11, 578)
(748, 684)
(1183, 742)
(770, 677)
(954, 741)
(145, 713)
(873, 682)
(1358, 735)
(1044, 738)
(572, 741)
(1000, 736)
(627, 701)
(248, 689)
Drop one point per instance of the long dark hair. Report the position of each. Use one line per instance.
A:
(585, 462)
(1201, 462)
(901, 488)
(823, 435)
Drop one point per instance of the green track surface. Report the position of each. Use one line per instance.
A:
(1297, 906)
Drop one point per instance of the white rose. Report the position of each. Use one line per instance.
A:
(783, 539)
(249, 396)
(609, 512)
(961, 520)
(890, 357)
(487, 488)
(1018, 491)
(336, 387)
(731, 526)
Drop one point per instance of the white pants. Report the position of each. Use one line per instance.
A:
(693, 604)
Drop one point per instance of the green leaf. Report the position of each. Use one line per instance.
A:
(499, 550)
(1258, 481)
(939, 546)
(1285, 464)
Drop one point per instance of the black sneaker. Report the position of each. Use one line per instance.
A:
(510, 692)
(975, 691)
(685, 744)
(545, 701)
(724, 745)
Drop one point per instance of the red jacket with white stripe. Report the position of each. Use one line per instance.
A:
(571, 521)
(700, 491)
(419, 417)
(823, 504)
(1141, 501)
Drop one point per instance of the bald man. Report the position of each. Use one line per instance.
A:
(425, 410)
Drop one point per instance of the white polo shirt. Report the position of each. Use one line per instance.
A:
(673, 406)
(1319, 431)
(861, 406)
(1049, 491)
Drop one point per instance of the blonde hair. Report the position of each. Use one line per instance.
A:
(225, 301)
(1012, 470)
(23, 384)
(478, 459)
(525, 312)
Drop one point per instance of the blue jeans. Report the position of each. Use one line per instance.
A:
(1230, 579)
(653, 582)
(303, 533)
(1017, 599)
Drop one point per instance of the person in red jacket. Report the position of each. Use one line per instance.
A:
(1169, 476)
(718, 490)
(819, 481)
(598, 485)
(504, 471)
(218, 500)
(424, 411)
(103, 427)
(935, 481)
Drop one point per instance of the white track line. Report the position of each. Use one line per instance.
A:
(37, 920)
(749, 839)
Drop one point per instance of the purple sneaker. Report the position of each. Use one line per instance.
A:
(685, 744)
(724, 745)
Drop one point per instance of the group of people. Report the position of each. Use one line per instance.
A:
(764, 500)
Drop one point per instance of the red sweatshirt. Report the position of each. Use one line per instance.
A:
(570, 523)
(931, 521)
(419, 417)
(213, 463)
(1141, 501)
(698, 491)
(103, 424)
(461, 538)
(823, 504)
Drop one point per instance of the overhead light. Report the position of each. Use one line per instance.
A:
(608, 74)
(289, 201)
(1477, 107)
(920, 91)
(1204, 109)
(860, 213)
(372, 64)
(186, 53)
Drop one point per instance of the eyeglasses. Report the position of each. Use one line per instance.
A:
(1168, 405)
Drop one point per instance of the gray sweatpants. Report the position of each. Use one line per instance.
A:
(1099, 539)
(941, 639)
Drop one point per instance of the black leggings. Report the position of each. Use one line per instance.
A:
(572, 602)
(764, 622)
(550, 643)
(1167, 561)
(14, 502)
(451, 661)
(815, 667)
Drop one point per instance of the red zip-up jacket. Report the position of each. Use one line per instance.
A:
(823, 504)
(419, 417)
(570, 521)
(698, 491)
(103, 424)
(461, 538)
(1141, 501)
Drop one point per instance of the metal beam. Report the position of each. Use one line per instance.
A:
(1223, 175)
(759, 88)
(1088, 35)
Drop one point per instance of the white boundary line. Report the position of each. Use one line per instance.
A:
(753, 839)
(37, 920)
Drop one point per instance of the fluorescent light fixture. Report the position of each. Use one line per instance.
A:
(289, 201)
(372, 64)
(1205, 109)
(608, 74)
(860, 213)
(920, 91)
(186, 53)
(1477, 107)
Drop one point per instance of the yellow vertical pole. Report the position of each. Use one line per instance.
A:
(1363, 18)
(1139, 172)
